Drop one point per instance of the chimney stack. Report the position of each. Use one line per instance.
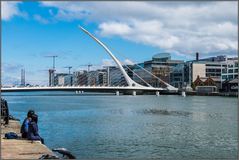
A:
(197, 56)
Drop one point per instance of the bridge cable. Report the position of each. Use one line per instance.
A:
(141, 68)
(139, 76)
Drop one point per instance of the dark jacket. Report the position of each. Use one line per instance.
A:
(33, 131)
(24, 128)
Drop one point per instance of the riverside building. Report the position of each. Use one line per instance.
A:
(80, 78)
(219, 68)
(116, 78)
(63, 79)
(230, 71)
(91, 78)
(161, 66)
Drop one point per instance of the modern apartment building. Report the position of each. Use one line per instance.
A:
(80, 78)
(63, 79)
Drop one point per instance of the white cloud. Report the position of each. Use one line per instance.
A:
(223, 29)
(183, 27)
(10, 9)
(128, 62)
(114, 28)
(108, 62)
(40, 19)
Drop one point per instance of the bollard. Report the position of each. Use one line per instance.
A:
(117, 93)
(183, 94)
(134, 93)
(157, 93)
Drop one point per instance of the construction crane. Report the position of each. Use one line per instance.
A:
(52, 71)
(53, 58)
(69, 68)
(88, 65)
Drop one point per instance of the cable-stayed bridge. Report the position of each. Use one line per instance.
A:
(129, 86)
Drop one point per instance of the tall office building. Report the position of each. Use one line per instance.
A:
(51, 77)
(23, 83)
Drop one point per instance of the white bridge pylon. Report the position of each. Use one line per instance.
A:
(130, 82)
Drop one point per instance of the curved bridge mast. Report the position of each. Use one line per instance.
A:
(129, 81)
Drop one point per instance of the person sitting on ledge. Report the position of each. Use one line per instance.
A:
(33, 130)
(25, 124)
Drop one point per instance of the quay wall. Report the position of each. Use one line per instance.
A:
(20, 148)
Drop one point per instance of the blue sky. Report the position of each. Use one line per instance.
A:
(137, 30)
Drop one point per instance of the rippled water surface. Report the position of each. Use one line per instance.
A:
(165, 127)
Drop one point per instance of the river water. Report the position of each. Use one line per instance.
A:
(134, 127)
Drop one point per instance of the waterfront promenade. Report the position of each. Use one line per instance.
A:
(20, 148)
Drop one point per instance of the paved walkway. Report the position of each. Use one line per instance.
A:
(20, 148)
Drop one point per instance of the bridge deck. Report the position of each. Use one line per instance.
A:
(83, 88)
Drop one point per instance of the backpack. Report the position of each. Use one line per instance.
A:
(11, 135)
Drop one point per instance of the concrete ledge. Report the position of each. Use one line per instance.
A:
(20, 148)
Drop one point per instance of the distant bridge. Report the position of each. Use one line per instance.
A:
(75, 88)
(104, 89)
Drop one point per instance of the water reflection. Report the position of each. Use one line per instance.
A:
(165, 112)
